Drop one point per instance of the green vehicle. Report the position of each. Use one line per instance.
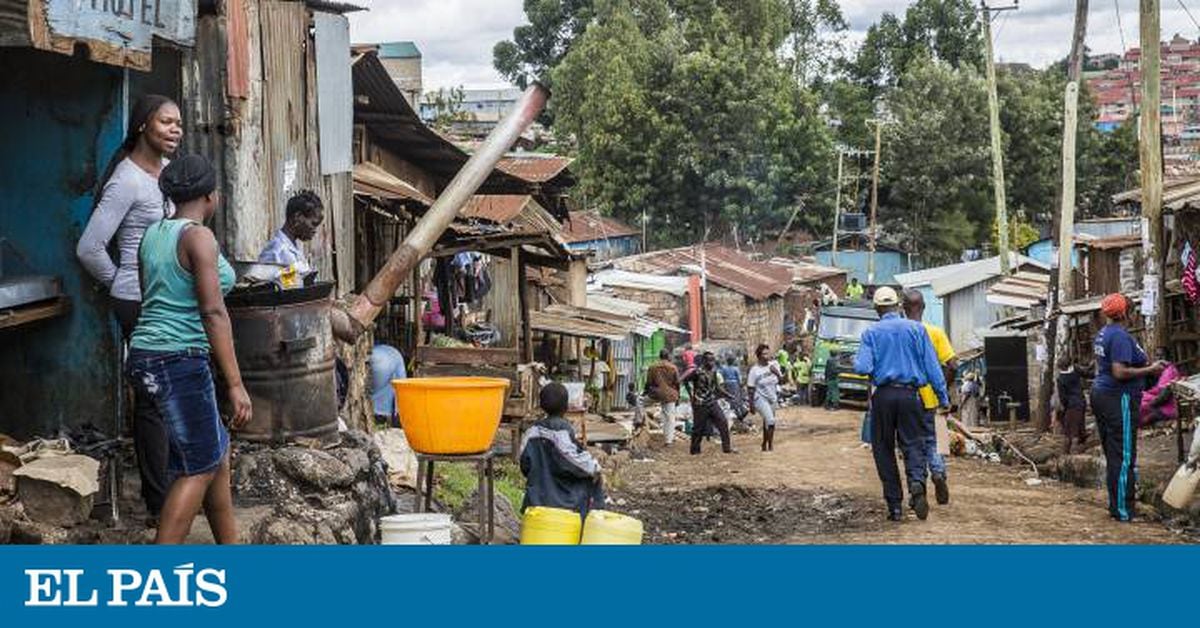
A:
(839, 333)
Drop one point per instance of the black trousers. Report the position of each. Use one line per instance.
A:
(1117, 428)
(150, 439)
(704, 416)
(898, 412)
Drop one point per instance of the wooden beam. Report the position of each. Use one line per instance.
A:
(467, 355)
(32, 313)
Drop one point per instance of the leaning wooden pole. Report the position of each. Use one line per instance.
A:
(1150, 157)
(366, 306)
(997, 148)
(1056, 332)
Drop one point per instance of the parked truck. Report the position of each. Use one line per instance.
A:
(839, 332)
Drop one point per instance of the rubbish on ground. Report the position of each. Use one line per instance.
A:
(1182, 486)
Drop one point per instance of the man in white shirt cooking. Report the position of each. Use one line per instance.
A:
(305, 212)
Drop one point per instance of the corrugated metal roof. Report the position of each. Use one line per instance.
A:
(371, 180)
(501, 208)
(1023, 290)
(574, 326)
(1177, 194)
(399, 50)
(677, 286)
(965, 275)
(392, 123)
(804, 272)
(587, 226)
(534, 167)
(520, 214)
(722, 265)
(1114, 242)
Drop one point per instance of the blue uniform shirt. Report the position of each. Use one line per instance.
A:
(898, 351)
(1114, 344)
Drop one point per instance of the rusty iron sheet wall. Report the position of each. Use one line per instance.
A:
(247, 208)
(503, 300)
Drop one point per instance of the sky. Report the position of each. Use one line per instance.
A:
(456, 36)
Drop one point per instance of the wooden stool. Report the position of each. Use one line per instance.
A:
(486, 487)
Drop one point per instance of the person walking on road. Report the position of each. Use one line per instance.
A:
(704, 391)
(898, 357)
(1121, 370)
(914, 310)
(662, 386)
(763, 382)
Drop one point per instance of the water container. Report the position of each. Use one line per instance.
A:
(424, 528)
(1179, 492)
(550, 526)
(610, 528)
(450, 415)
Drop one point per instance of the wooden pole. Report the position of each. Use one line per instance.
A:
(837, 209)
(874, 201)
(1056, 332)
(1150, 157)
(997, 149)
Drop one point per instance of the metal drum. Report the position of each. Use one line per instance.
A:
(285, 350)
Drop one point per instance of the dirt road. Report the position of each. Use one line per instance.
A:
(820, 486)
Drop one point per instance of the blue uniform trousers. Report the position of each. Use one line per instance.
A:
(898, 412)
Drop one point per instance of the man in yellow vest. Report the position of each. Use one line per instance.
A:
(854, 291)
(914, 309)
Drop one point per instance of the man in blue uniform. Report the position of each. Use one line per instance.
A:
(898, 356)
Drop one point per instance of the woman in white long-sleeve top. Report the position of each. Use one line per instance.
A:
(127, 201)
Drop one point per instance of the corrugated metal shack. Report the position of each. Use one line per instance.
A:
(601, 238)
(742, 298)
(233, 66)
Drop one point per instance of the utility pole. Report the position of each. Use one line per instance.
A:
(837, 209)
(997, 150)
(1055, 330)
(878, 124)
(1150, 157)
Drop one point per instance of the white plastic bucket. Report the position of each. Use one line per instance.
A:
(426, 528)
(1183, 485)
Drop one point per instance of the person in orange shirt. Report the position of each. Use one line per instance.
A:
(914, 309)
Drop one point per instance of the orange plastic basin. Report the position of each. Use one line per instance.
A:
(450, 415)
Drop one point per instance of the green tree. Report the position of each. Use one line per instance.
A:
(684, 109)
(538, 46)
(944, 30)
(447, 107)
(936, 191)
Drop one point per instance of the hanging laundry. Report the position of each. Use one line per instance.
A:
(1191, 273)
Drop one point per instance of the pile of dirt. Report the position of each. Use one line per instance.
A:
(733, 514)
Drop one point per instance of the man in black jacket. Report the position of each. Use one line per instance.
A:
(559, 472)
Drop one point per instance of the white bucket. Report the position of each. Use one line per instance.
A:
(426, 528)
(1183, 485)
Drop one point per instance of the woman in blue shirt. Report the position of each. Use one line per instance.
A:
(1121, 370)
(183, 322)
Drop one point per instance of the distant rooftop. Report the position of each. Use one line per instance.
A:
(399, 50)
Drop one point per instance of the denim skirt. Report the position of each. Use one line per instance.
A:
(180, 384)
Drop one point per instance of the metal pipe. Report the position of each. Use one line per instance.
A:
(430, 227)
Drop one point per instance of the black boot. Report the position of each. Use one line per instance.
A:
(917, 500)
(771, 438)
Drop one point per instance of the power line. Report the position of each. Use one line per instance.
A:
(1120, 28)
(1189, 14)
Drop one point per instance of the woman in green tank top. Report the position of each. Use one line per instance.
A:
(182, 327)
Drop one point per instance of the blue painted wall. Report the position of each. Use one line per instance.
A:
(1043, 251)
(934, 308)
(888, 264)
(610, 248)
(60, 119)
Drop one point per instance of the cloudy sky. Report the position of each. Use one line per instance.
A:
(456, 36)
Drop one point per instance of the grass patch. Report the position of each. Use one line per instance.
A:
(456, 481)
